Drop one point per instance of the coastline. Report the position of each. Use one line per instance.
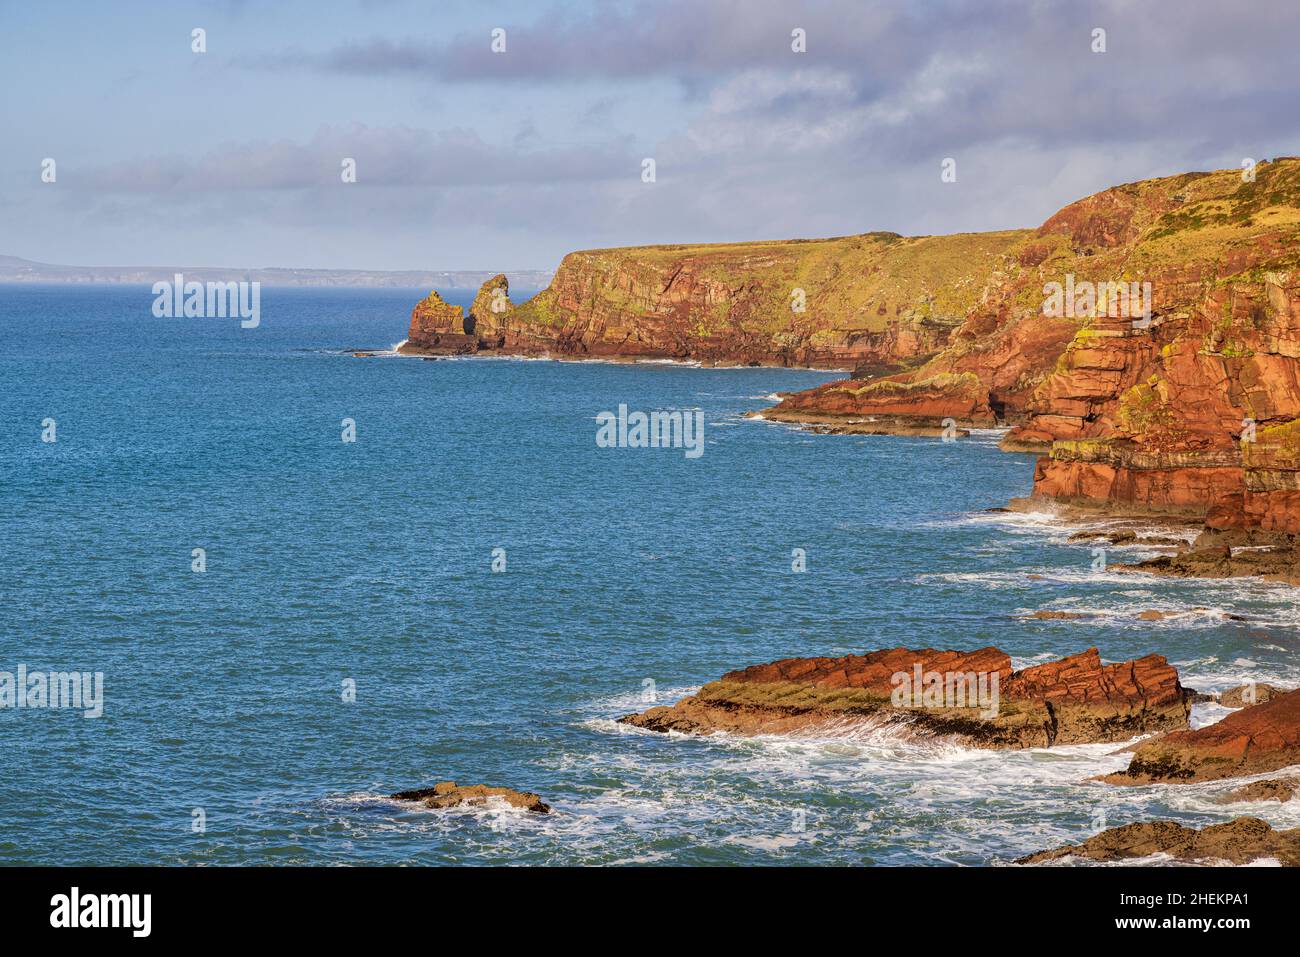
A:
(498, 355)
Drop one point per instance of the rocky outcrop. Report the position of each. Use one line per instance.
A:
(439, 326)
(448, 794)
(1240, 841)
(1195, 411)
(1170, 387)
(1230, 553)
(1245, 696)
(926, 693)
(1254, 740)
(491, 312)
(983, 379)
(1272, 789)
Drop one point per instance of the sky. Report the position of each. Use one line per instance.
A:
(468, 158)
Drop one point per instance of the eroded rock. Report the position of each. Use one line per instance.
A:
(1272, 789)
(1245, 696)
(1074, 700)
(450, 794)
(1254, 740)
(1240, 841)
(438, 327)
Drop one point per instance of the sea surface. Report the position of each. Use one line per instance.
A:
(632, 576)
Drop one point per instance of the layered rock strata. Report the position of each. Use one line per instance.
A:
(1145, 340)
(1075, 700)
(1254, 740)
(878, 300)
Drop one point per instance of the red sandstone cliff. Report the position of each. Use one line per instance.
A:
(1192, 407)
(878, 299)
(1188, 401)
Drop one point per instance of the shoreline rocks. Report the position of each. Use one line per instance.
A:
(1071, 701)
(1230, 554)
(1263, 737)
(826, 424)
(1242, 840)
(448, 794)
(1273, 789)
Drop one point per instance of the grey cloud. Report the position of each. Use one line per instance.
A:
(898, 80)
(385, 157)
(846, 138)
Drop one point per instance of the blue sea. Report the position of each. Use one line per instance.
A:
(632, 576)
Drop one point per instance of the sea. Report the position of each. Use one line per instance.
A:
(290, 625)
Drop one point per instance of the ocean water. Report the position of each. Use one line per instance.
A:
(630, 573)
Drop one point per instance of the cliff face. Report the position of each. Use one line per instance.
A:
(1208, 245)
(1146, 339)
(1174, 386)
(878, 299)
(1197, 410)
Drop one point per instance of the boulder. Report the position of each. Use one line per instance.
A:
(1244, 696)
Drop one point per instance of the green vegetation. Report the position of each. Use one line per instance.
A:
(1143, 409)
(1189, 235)
(943, 382)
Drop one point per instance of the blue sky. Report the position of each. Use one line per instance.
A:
(468, 159)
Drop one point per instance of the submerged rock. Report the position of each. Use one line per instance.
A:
(450, 794)
(1273, 789)
(1232, 554)
(1154, 614)
(1072, 701)
(1244, 696)
(1125, 537)
(1254, 740)
(1239, 841)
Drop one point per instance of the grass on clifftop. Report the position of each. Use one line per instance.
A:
(861, 282)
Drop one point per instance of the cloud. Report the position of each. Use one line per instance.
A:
(892, 78)
(681, 39)
(385, 157)
(750, 139)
